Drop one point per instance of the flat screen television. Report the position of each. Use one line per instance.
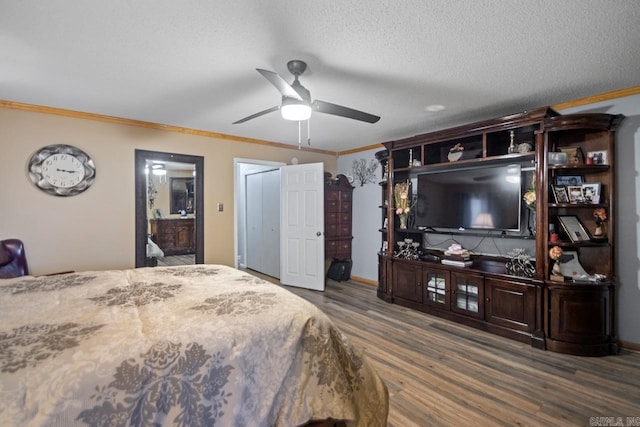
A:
(483, 198)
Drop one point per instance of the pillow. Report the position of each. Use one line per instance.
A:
(5, 256)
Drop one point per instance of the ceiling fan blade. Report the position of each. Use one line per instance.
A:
(261, 113)
(283, 87)
(339, 110)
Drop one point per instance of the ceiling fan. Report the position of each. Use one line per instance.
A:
(296, 99)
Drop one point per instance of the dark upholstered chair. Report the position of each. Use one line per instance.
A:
(13, 261)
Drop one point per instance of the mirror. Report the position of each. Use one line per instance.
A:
(181, 195)
(179, 237)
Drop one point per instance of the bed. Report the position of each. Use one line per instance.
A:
(189, 345)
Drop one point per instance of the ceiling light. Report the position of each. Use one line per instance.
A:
(295, 110)
(158, 170)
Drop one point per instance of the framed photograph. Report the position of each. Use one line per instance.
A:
(575, 194)
(567, 180)
(558, 158)
(591, 192)
(599, 157)
(574, 228)
(560, 194)
(385, 247)
(574, 155)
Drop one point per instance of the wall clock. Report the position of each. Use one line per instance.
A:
(61, 170)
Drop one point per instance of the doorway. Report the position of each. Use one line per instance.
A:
(146, 196)
(244, 168)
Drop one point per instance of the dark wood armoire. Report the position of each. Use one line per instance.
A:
(338, 199)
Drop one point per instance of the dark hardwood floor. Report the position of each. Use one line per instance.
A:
(440, 373)
(171, 260)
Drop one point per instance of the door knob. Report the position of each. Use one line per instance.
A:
(318, 234)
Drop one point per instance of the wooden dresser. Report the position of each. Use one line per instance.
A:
(175, 236)
(338, 196)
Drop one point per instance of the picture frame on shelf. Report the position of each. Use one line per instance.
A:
(560, 194)
(385, 247)
(573, 228)
(591, 192)
(558, 158)
(575, 194)
(574, 155)
(599, 157)
(385, 224)
(567, 180)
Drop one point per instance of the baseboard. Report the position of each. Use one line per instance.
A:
(364, 281)
(630, 346)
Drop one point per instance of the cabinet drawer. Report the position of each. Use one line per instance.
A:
(338, 248)
(332, 206)
(332, 196)
(334, 217)
(344, 230)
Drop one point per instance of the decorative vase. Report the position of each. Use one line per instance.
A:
(512, 146)
(556, 269)
(454, 156)
(556, 274)
(403, 221)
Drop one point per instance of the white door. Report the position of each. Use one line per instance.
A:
(302, 226)
(254, 221)
(263, 222)
(271, 223)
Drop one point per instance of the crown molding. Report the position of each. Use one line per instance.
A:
(150, 125)
(635, 90)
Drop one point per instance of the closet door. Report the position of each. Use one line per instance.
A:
(271, 223)
(263, 222)
(255, 241)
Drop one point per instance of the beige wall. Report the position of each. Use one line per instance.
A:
(95, 230)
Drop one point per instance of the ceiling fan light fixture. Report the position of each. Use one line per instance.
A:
(297, 112)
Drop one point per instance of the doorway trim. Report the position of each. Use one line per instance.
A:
(141, 157)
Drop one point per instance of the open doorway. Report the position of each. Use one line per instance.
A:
(169, 208)
(257, 184)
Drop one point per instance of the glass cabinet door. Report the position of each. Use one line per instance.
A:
(467, 294)
(436, 287)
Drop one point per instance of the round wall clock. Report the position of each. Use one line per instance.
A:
(61, 170)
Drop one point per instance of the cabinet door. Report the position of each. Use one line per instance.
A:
(467, 294)
(407, 282)
(510, 304)
(580, 314)
(436, 288)
(184, 236)
(167, 235)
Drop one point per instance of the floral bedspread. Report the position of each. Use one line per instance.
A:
(192, 345)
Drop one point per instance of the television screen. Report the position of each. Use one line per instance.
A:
(487, 198)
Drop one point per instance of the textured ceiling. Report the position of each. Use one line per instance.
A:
(192, 63)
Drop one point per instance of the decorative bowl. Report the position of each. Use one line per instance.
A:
(523, 148)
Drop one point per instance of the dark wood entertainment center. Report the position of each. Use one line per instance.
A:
(567, 314)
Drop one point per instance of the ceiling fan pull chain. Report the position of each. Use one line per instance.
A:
(309, 131)
(299, 136)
